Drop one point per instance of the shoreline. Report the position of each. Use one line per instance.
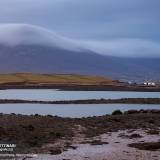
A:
(52, 135)
(123, 87)
(88, 101)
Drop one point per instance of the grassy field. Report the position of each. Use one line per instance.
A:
(58, 79)
(68, 82)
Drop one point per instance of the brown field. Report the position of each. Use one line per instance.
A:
(68, 82)
(54, 79)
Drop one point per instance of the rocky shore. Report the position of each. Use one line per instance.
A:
(54, 135)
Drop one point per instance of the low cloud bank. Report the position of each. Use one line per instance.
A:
(125, 47)
(17, 34)
(25, 34)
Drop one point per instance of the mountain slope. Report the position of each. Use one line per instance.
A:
(42, 59)
(30, 49)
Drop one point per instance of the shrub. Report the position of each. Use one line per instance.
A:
(117, 112)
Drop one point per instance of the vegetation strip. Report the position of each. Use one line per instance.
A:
(89, 101)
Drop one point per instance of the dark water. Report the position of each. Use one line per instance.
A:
(50, 94)
(71, 110)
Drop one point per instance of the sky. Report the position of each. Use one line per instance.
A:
(110, 27)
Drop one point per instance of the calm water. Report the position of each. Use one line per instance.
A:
(71, 110)
(77, 110)
(50, 94)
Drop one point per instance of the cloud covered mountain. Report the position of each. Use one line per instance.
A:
(24, 34)
(27, 48)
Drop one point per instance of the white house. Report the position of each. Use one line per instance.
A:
(149, 83)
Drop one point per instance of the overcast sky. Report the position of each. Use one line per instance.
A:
(114, 27)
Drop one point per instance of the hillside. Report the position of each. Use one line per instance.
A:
(32, 49)
(46, 59)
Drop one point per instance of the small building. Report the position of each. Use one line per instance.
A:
(145, 83)
(149, 83)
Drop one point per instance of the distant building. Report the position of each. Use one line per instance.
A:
(145, 83)
(129, 82)
(149, 83)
